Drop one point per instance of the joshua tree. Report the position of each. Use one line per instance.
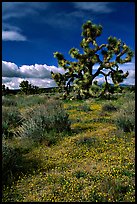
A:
(80, 73)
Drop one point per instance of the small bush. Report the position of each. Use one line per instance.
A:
(88, 141)
(125, 118)
(15, 162)
(129, 96)
(84, 107)
(43, 119)
(8, 101)
(29, 101)
(109, 107)
(11, 118)
(10, 159)
(80, 174)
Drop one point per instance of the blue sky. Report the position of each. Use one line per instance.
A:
(32, 31)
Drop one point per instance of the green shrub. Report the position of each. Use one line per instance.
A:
(15, 162)
(8, 101)
(31, 100)
(11, 118)
(43, 119)
(80, 174)
(109, 107)
(84, 107)
(125, 118)
(88, 141)
(10, 161)
(129, 96)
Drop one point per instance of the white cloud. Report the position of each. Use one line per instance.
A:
(12, 36)
(28, 71)
(6, 79)
(38, 70)
(97, 7)
(13, 82)
(9, 69)
(38, 75)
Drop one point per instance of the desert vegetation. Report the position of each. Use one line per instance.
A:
(77, 143)
(68, 150)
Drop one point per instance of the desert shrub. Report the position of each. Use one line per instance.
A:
(84, 107)
(43, 119)
(109, 107)
(10, 161)
(129, 97)
(11, 118)
(88, 141)
(15, 162)
(79, 174)
(126, 97)
(28, 101)
(8, 101)
(125, 118)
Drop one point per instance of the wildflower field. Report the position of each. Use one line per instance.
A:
(60, 150)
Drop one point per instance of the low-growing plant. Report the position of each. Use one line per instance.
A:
(109, 107)
(10, 158)
(43, 119)
(88, 141)
(30, 100)
(125, 118)
(8, 101)
(11, 118)
(84, 107)
(15, 163)
(79, 174)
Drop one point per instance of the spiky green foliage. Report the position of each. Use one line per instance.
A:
(108, 57)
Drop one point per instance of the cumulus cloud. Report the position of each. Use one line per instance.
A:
(13, 82)
(38, 71)
(38, 75)
(12, 36)
(9, 69)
